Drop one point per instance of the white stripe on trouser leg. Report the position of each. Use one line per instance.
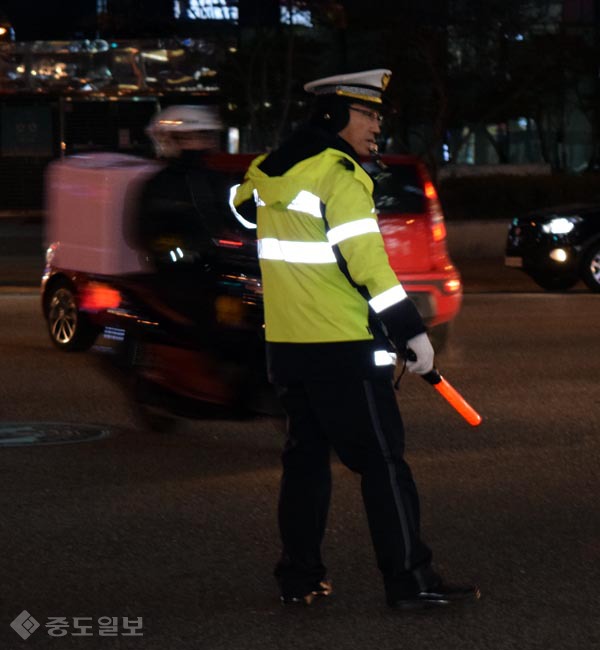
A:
(385, 450)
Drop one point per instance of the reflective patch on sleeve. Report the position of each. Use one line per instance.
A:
(296, 252)
(247, 224)
(352, 229)
(387, 298)
(308, 203)
(384, 358)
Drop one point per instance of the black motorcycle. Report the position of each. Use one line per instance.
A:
(190, 344)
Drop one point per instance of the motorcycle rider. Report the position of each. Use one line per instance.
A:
(178, 206)
(179, 218)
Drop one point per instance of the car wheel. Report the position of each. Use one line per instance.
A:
(552, 282)
(591, 268)
(69, 329)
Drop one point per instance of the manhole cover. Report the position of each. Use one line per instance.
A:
(15, 434)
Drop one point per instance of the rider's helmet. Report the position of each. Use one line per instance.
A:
(185, 127)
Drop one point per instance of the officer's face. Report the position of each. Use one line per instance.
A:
(362, 129)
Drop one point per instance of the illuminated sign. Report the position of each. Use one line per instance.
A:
(296, 17)
(206, 10)
(228, 10)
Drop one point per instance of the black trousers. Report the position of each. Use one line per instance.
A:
(360, 420)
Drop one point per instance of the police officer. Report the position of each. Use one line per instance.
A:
(335, 313)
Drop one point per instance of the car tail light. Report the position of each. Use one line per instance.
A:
(452, 285)
(436, 216)
(438, 227)
(430, 192)
(436, 221)
(96, 296)
(229, 243)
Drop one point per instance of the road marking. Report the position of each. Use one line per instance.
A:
(17, 434)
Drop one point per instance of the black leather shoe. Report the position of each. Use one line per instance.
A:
(323, 589)
(440, 594)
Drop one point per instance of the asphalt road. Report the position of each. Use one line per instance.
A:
(180, 529)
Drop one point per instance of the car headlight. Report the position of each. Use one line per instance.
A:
(560, 225)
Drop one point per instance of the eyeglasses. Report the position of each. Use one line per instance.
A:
(372, 115)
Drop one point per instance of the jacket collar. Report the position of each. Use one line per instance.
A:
(306, 142)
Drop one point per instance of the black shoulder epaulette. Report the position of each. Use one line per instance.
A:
(347, 164)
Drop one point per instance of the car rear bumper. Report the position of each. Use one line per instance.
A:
(432, 297)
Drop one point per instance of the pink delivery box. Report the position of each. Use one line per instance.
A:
(90, 202)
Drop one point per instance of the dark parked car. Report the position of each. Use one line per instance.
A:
(557, 246)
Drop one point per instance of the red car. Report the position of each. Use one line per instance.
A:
(412, 223)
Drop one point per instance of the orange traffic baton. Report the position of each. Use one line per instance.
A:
(453, 397)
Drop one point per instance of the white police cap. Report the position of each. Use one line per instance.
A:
(365, 86)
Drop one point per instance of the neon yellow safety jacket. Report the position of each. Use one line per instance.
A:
(325, 271)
